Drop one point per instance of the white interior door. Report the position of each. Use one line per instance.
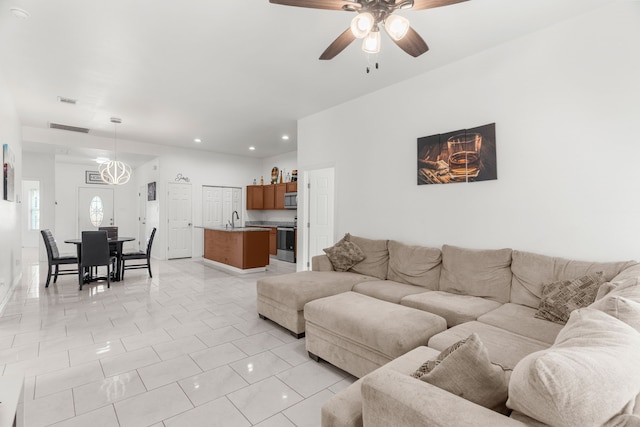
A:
(179, 221)
(212, 206)
(236, 203)
(95, 208)
(142, 218)
(320, 202)
(227, 204)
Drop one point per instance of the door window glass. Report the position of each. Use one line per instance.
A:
(96, 211)
(34, 209)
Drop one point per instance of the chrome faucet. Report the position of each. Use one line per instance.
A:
(233, 225)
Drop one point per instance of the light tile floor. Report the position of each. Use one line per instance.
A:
(185, 348)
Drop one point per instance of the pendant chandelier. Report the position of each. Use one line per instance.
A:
(113, 171)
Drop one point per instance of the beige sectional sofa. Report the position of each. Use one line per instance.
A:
(582, 373)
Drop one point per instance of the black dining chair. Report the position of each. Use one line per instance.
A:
(55, 260)
(139, 256)
(95, 253)
(112, 234)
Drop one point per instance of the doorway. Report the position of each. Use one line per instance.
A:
(319, 210)
(179, 221)
(30, 214)
(142, 219)
(95, 208)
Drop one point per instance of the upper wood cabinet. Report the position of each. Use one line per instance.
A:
(280, 190)
(260, 197)
(292, 187)
(269, 195)
(255, 197)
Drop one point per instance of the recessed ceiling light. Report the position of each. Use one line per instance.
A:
(19, 13)
(252, 148)
(197, 140)
(100, 160)
(285, 137)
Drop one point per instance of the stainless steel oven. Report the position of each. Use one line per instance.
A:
(286, 244)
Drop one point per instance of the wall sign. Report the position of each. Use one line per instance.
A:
(93, 177)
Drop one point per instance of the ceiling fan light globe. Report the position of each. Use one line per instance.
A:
(362, 24)
(371, 43)
(396, 26)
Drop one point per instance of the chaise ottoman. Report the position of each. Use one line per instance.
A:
(358, 334)
(282, 298)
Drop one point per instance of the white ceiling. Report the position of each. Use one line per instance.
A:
(233, 73)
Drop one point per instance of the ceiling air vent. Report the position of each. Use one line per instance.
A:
(67, 127)
(67, 100)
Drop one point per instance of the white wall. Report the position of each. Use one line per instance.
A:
(565, 104)
(41, 167)
(69, 177)
(10, 221)
(202, 168)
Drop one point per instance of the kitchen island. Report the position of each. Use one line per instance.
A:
(240, 249)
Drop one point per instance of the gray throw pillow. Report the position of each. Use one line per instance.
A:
(560, 298)
(465, 370)
(344, 254)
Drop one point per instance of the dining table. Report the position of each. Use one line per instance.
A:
(115, 244)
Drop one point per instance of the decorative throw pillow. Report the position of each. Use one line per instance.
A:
(344, 254)
(560, 298)
(465, 369)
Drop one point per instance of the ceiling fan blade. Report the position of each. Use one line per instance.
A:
(339, 44)
(412, 43)
(430, 4)
(315, 4)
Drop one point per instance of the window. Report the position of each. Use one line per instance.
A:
(96, 211)
(34, 209)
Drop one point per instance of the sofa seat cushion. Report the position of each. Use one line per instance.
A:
(294, 290)
(505, 348)
(481, 273)
(456, 309)
(376, 262)
(590, 376)
(414, 265)
(532, 271)
(520, 319)
(387, 290)
(344, 409)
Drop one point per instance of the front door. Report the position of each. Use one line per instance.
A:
(179, 221)
(95, 208)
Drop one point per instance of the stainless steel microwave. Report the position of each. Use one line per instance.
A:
(291, 200)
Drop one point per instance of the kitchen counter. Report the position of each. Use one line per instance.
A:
(270, 223)
(241, 249)
(236, 229)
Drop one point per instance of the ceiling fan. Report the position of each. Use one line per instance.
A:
(365, 25)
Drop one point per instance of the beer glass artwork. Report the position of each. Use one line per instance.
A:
(464, 156)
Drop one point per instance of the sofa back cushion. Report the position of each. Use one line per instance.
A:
(482, 273)
(588, 377)
(414, 265)
(376, 262)
(532, 271)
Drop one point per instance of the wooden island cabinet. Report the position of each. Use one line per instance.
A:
(242, 248)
